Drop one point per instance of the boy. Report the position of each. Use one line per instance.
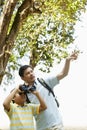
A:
(20, 113)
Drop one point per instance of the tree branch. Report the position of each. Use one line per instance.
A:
(5, 19)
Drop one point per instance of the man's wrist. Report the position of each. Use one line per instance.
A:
(68, 59)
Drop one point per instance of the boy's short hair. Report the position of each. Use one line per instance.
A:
(13, 98)
(22, 69)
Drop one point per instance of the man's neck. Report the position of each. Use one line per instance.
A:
(30, 83)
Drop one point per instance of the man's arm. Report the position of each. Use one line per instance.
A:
(43, 105)
(66, 68)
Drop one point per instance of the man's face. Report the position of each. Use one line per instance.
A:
(29, 76)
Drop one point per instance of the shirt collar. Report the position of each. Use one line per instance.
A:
(21, 106)
(27, 83)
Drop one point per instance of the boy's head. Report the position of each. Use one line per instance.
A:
(19, 98)
(26, 73)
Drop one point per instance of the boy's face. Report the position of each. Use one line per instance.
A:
(29, 76)
(20, 98)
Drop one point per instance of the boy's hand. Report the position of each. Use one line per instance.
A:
(35, 92)
(18, 88)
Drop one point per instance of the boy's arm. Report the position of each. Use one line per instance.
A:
(9, 98)
(43, 105)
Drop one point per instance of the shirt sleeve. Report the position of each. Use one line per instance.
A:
(9, 113)
(35, 108)
(52, 81)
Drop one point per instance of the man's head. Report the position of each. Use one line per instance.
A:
(26, 73)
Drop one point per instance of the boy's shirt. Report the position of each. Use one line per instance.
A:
(21, 118)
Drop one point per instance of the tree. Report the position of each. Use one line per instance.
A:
(9, 27)
(55, 18)
(46, 36)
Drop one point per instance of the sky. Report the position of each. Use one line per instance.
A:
(72, 90)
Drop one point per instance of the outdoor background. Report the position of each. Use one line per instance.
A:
(72, 91)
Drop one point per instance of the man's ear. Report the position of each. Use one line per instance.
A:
(22, 78)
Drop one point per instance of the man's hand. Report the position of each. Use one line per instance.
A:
(73, 56)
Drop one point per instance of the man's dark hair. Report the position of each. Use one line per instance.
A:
(22, 69)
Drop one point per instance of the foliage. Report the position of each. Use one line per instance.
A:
(46, 36)
(41, 29)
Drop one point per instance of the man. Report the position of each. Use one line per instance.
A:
(50, 119)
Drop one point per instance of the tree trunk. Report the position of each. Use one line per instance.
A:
(7, 39)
